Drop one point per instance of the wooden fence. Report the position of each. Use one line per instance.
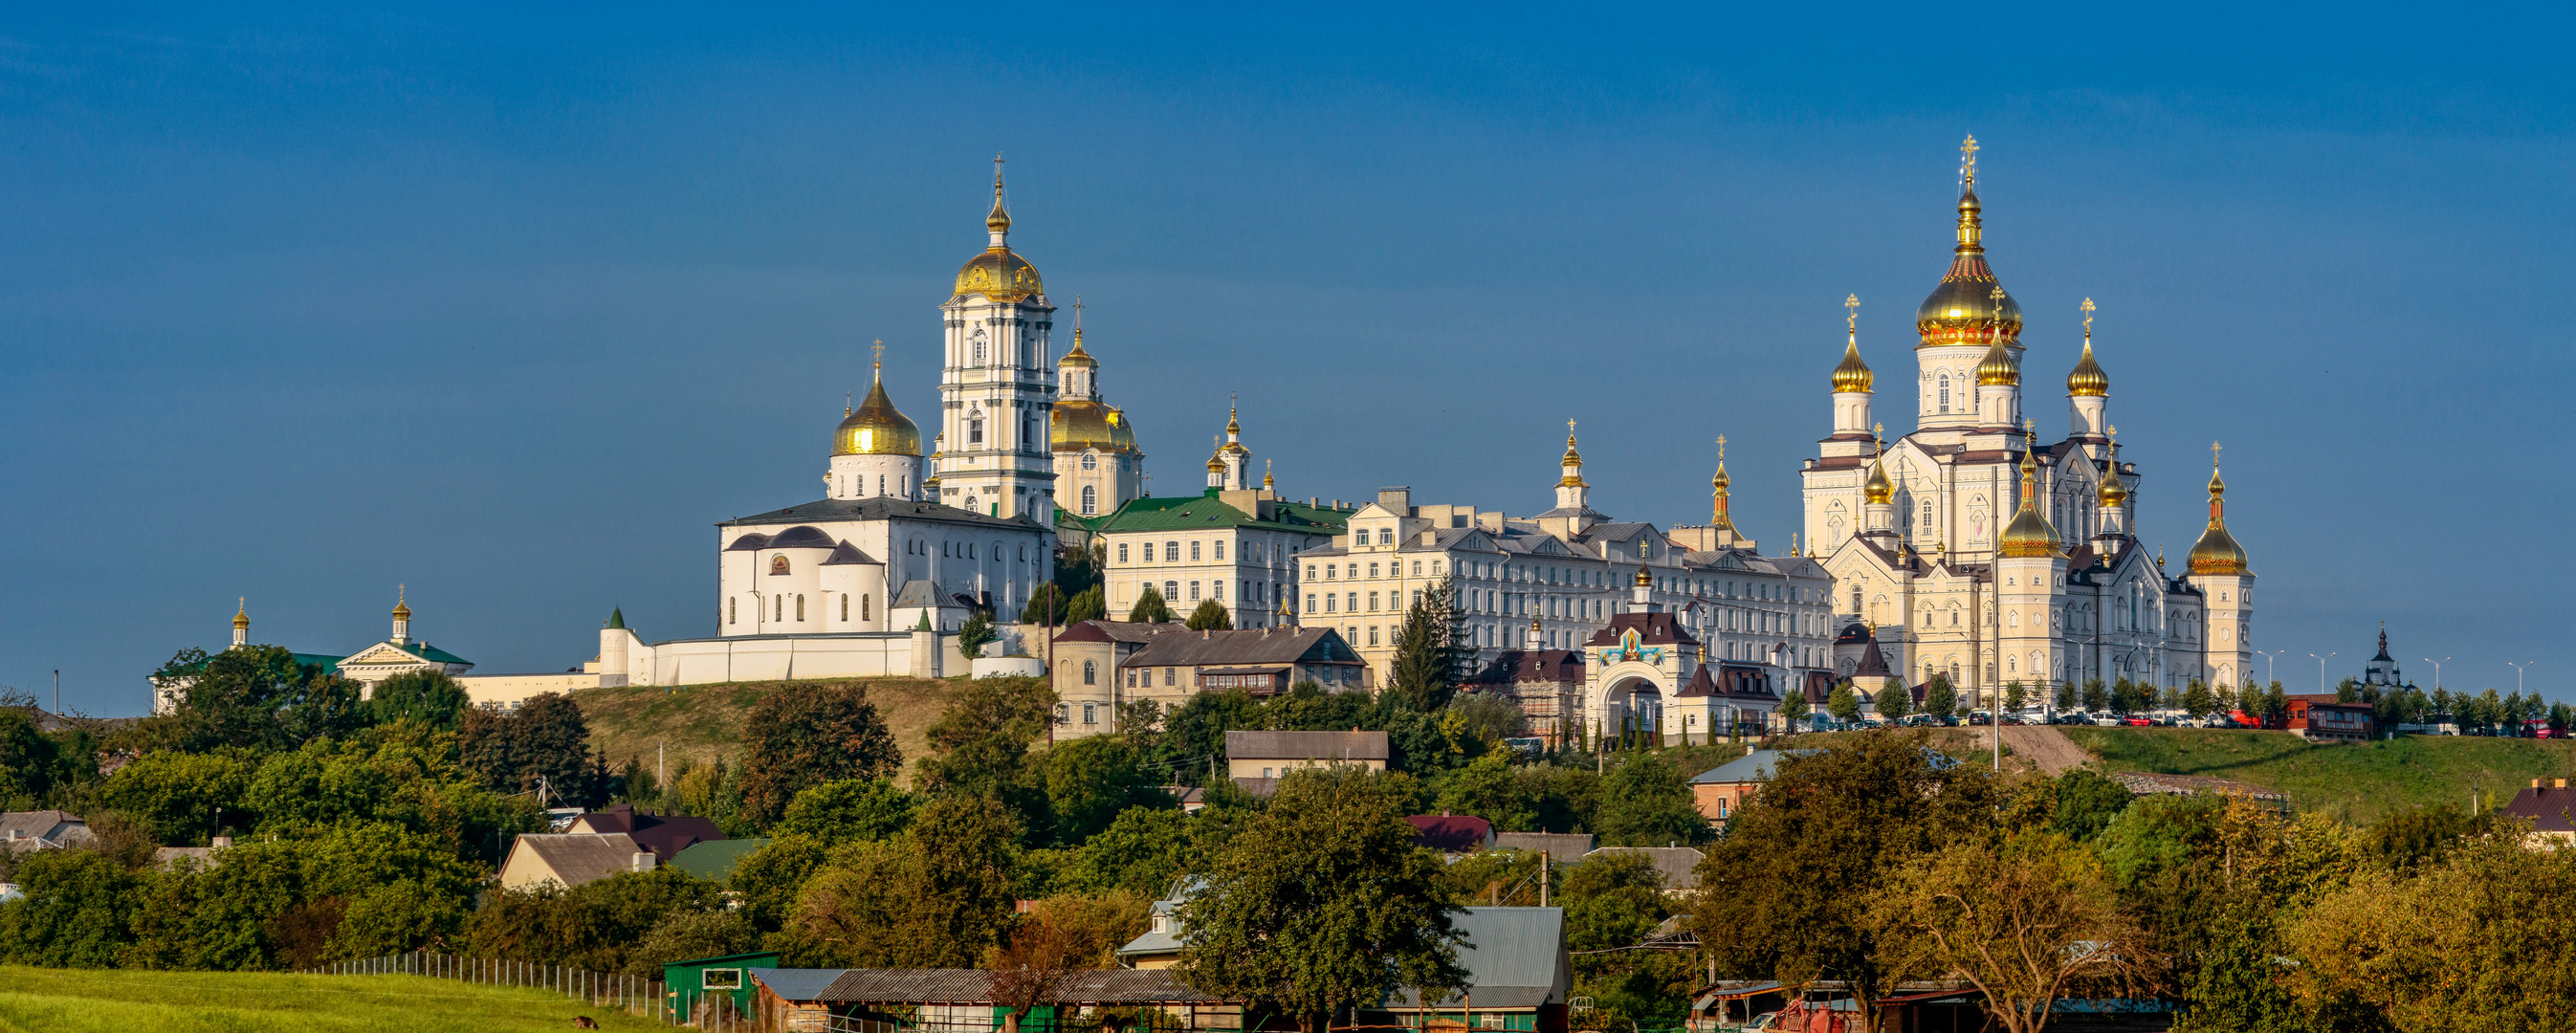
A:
(642, 998)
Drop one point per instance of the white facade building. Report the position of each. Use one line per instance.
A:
(1977, 553)
(998, 386)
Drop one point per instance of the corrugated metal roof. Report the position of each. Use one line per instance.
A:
(796, 984)
(1514, 957)
(1679, 865)
(975, 986)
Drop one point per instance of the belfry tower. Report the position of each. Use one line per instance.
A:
(997, 388)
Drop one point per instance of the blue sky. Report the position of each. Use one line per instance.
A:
(511, 306)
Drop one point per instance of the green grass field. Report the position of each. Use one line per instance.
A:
(700, 722)
(2356, 782)
(81, 1001)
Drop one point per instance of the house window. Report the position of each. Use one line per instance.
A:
(1945, 393)
(1386, 536)
(1171, 552)
(1091, 498)
(1194, 591)
(975, 429)
(729, 610)
(1216, 589)
(1372, 601)
(1220, 550)
(1171, 589)
(1194, 551)
(1310, 602)
(1090, 461)
(1170, 675)
(1372, 570)
(845, 606)
(1122, 552)
(1090, 674)
(1131, 678)
(1090, 713)
(1372, 634)
(779, 608)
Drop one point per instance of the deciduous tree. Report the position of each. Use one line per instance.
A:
(2027, 921)
(805, 735)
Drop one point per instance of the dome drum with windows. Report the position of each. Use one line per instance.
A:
(876, 429)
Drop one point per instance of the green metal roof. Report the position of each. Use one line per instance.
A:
(328, 664)
(713, 859)
(1206, 510)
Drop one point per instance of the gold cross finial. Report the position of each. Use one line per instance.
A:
(1968, 162)
(2213, 454)
(2088, 320)
(1721, 448)
(1878, 430)
(997, 175)
(1851, 313)
(878, 346)
(1569, 433)
(1077, 312)
(2115, 437)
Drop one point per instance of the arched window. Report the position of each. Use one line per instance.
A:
(979, 346)
(1090, 461)
(863, 608)
(1945, 392)
(800, 609)
(730, 608)
(778, 608)
(845, 607)
(1090, 672)
(975, 427)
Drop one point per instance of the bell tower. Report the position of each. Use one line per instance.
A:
(996, 389)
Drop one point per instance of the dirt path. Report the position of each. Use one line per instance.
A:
(2041, 745)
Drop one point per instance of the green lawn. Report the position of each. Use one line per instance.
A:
(82, 1000)
(2357, 782)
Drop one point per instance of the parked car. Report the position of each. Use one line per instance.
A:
(2108, 720)
(1980, 717)
(2139, 722)
(2014, 719)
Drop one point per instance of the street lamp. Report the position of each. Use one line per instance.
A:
(2437, 671)
(2518, 668)
(2321, 669)
(2267, 663)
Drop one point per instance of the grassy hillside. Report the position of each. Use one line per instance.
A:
(702, 721)
(2358, 782)
(83, 1001)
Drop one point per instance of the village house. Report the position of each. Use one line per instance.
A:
(569, 859)
(1101, 666)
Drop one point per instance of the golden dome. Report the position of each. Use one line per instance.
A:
(1964, 309)
(1720, 480)
(1853, 376)
(1079, 423)
(402, 606)
(2217, 551)
(241, 615)
(1216, 459)
(2112, 493)
(1998, 369)
(1078, 357)
(875, 428)
(999, 221)
(1572, 462)
(1644, 579)
(1878, 490)
(2088, 380)
(1000, 275)
(2029, 535)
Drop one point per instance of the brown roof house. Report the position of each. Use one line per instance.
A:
(1100, 666)
(1546, 684)
(2551, 810)
(664, 835)
(1451, 833)
(570, 859)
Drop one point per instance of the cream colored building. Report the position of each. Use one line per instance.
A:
(1979, 553)
(1551, 580)
(1234, 542)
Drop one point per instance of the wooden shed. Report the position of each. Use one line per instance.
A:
(687, 985)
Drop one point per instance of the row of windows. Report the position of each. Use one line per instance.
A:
(1253, 552)
(866, 607)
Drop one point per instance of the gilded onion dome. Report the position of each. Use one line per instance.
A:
(1644, 578)
(998, 273)
(1216, 459)
(2112, 494)
(875, 428)
(2029, 535)
(1077, 357)
(241, 615)
(1853, 376)
(2217, 551)
(1718, 517)
(1998, 368)
(1122, 432)
(1963, 309)
(1080, 423)
(1573, 465)
(402, 606)
(1878, 490)
(2087, 379)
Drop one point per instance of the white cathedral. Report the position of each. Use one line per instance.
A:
(1968, 549)
(904, 542)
